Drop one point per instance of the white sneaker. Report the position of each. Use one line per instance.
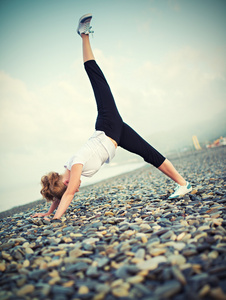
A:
(84, 24)
(181, 190)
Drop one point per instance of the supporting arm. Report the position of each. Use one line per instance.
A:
(72, 188)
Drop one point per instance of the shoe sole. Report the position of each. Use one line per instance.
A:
(83, 19)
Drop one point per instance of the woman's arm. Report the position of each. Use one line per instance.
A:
(73, 187)
(53, 206)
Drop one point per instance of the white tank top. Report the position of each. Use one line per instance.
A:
(99, 149)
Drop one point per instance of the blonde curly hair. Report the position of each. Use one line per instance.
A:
(52, 186)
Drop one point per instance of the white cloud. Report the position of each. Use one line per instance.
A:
(184, 84)
(39, 130)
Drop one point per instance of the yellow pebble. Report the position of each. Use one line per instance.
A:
(26, 263)
(144, 239)
(83, 290)
(54, 280)
(109, 213)
(60, 253)
(69, 283)
(54, 273)
(2, 267)
(27, 289)
(103, 232)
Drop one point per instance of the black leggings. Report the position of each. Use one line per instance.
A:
(110, 121)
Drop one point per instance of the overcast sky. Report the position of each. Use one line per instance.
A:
(164, 60)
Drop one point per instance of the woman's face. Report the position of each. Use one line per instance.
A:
(66, 177)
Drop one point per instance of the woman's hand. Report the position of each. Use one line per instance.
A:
(39, 215)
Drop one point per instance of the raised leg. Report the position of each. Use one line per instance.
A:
(86, 48)
(108, 119)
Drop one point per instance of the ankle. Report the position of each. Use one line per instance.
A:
(84, 36)
(182, 182)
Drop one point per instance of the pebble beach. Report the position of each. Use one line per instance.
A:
(123, 239)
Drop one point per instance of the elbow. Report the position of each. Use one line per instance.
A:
(70, 191)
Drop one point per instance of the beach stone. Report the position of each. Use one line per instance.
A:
(181, 236)
(204, 290)
(217, 293)
(102, 262)
(75, 235)
(45, 289)
(116, 283)
(109, 213)
(29, 250)
(179, 246)
(60, 253)
(213, 254)
(147, 247)
(27, 289)
(153, 242)
(92, 272)
(60, 290)
(75, 253)
(179, 275)
(121, 271)
(21, 281)
(177, 259)
(135, 279)
(168, 289)
(103, 288)
(79, 266)
(55, 263)
(36, 274)
(2, 266)
(144, 239)
(26, 263)
(157, 251)
(189, 252)
(167, 235)
(83, 290)
(151, 264)
(90, 241)
(121, 291)
(140, 253)
(6, 256)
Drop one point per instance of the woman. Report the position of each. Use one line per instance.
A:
(110, 132)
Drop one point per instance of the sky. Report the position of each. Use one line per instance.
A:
(164, 61)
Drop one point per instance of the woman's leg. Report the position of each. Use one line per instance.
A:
(108, 119)
(168, 169)
(86, 48)
(133, 142)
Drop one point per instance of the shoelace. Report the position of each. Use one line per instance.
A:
(87, 28)
(176, 187)
(90, 31)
